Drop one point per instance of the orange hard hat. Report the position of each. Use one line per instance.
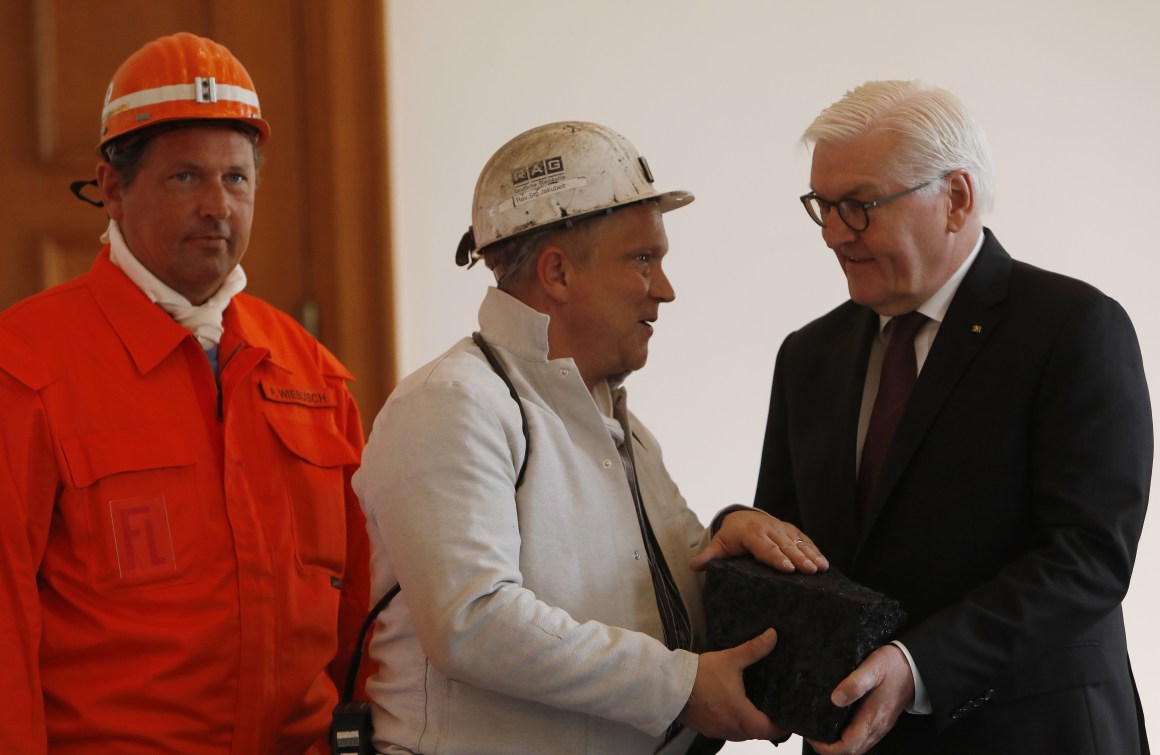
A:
(176, 78)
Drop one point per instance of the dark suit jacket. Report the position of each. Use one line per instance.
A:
(1008, 512)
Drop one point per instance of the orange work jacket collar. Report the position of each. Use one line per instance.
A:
(148, 333)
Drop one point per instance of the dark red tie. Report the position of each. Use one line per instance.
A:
(899, 372)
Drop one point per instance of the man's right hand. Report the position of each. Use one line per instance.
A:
(718, 707)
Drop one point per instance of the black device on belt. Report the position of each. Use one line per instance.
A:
(351, 727)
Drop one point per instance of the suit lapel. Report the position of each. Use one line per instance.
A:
(970, 320)
(847, 375)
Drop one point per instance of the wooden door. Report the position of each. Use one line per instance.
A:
(319, 248)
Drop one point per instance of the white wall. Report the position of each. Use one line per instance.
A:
(715, 95)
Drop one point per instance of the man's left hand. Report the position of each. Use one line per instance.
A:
(884, 684)
(767, 538)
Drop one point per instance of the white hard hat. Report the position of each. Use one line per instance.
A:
(557, 173)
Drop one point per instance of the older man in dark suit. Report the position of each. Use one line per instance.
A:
(970, 435)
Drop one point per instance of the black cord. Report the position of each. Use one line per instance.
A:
(499, 370)
(356, 659)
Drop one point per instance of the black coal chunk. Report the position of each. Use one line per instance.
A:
(826, 625)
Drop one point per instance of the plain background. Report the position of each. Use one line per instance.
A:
(716, 96)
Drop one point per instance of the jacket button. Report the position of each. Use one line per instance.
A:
(607, 463)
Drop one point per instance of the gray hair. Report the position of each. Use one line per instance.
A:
(513, 258)
(938, 134)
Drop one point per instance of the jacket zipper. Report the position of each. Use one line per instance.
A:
(217, 378)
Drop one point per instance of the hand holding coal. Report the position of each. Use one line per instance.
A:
(826, 625)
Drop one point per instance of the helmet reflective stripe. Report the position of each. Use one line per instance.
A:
(181, 92)
(175, 78)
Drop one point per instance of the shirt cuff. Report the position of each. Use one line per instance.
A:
(717, 520)
(921, 705)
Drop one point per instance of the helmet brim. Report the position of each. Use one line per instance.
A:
(666, 201)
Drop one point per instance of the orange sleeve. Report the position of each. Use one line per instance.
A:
(355, 601)
(28, 485)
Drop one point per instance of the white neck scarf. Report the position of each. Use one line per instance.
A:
(204, 320)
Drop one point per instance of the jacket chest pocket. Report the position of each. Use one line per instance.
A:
(312, 484)
(131, 514)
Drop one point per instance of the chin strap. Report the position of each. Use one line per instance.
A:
(78, 188)
(463, 254)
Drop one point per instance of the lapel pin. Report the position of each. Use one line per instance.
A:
(976, 328)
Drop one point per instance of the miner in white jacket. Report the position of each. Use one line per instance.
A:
(549, 566)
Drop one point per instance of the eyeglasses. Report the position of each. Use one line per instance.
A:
(853, 213)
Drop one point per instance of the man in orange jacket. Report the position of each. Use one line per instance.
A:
(183, 564)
